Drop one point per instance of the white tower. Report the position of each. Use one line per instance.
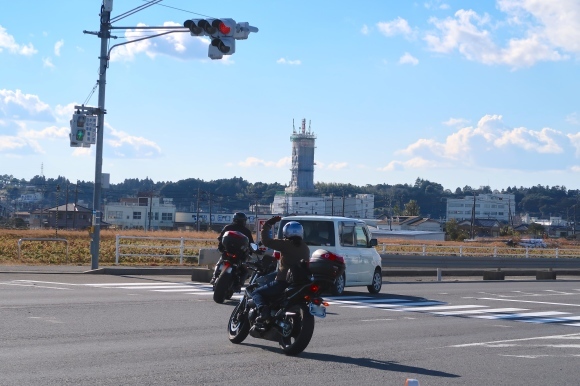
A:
(302, 161)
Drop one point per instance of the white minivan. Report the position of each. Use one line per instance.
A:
(349, 238)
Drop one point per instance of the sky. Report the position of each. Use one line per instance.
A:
(478, 93)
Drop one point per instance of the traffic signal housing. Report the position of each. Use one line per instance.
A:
(223, 33)
(83, 130)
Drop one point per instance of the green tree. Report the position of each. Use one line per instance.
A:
(412, 208)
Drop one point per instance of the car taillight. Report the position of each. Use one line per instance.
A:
(277, 255)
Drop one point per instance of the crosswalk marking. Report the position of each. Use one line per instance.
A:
(427, 306)
(486, 311)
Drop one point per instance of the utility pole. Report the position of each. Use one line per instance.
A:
(197, 218)
(104, 34)
(223, 34)
(75, 211)
(66, 208)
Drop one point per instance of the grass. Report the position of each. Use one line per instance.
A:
(166, 251)
(33, 252)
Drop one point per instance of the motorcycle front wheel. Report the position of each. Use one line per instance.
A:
(301, 327)
(239, 324)
(222, 287)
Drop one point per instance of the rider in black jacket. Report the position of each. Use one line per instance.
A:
(238, 224)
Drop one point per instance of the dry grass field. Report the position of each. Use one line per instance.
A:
(33, 252)
(165, 251)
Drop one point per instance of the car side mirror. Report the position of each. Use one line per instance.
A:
(374, 243)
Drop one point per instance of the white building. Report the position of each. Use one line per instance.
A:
(149, 213)
(497, 206)
(359, 206)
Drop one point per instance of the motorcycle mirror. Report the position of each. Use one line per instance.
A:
(254, 247)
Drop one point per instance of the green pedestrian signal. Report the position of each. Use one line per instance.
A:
(80, 135)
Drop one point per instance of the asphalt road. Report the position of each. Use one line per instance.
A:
(71, 329)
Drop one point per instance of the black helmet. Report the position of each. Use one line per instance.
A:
(240, 218)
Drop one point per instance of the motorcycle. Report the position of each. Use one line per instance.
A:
(232, 265)
(292, 315)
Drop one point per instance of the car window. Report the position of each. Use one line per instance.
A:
(347, 235)
(361, 236)
(315, 232)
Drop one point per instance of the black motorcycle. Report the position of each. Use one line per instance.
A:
(231, 266)
(292, 315)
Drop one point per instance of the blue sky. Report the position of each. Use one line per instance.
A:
(455, 92)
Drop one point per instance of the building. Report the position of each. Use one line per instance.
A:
(303, 145)
(300, 196)
(149, 213)
(359, 206)
(67, 216)
(498, 206)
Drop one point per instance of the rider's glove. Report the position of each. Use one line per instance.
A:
(273, 220)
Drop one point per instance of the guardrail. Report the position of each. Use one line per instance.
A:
(41, 239)
(468, 257)
(166, 247)
(461, 250)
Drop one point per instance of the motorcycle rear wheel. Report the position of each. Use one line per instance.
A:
(302, 329)
(222, 287)
(239, 324)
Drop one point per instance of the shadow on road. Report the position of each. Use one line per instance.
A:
(364, 362)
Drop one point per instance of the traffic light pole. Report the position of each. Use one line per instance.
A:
(233, 31)
(104, 34)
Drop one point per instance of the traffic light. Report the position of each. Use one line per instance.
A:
(223, 32)
(83, 130)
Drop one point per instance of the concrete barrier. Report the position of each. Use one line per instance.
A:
(545, 275)
(493, 275)
(209, 256)
(201, 274)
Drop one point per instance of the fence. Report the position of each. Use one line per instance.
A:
(165, 247)
(469, 257)
(461, 250)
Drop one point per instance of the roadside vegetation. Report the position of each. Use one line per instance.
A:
(167, 249)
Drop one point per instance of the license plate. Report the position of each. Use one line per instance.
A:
(319, 311)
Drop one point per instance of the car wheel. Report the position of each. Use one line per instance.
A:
(377, 282)
(338, 286)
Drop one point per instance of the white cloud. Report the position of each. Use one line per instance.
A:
(253, 162)
(573, 119)
(337, 166)
(8, 42)
(549, 31)
(407, 58)
(178, 45)
(455, 122)
(57, 46)
(556, 21)
(399, 26)
(290, 62)
(128, 146)
(413, 163)
(47, 62)
(364, 30)
(575, 140)
(20, 106)
(491, 143)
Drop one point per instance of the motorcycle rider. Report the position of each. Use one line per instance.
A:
(292, 249)
(238, 224)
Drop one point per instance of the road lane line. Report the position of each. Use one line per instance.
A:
(486, 311)
(531, 301)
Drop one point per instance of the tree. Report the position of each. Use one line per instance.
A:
(536, 229)
(453, 231)
(412, 208)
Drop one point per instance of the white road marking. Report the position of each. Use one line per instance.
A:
(435, 308)
(531, 301)
(566, 336)
(486, 311)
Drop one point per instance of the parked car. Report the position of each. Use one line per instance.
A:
(349, 238)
